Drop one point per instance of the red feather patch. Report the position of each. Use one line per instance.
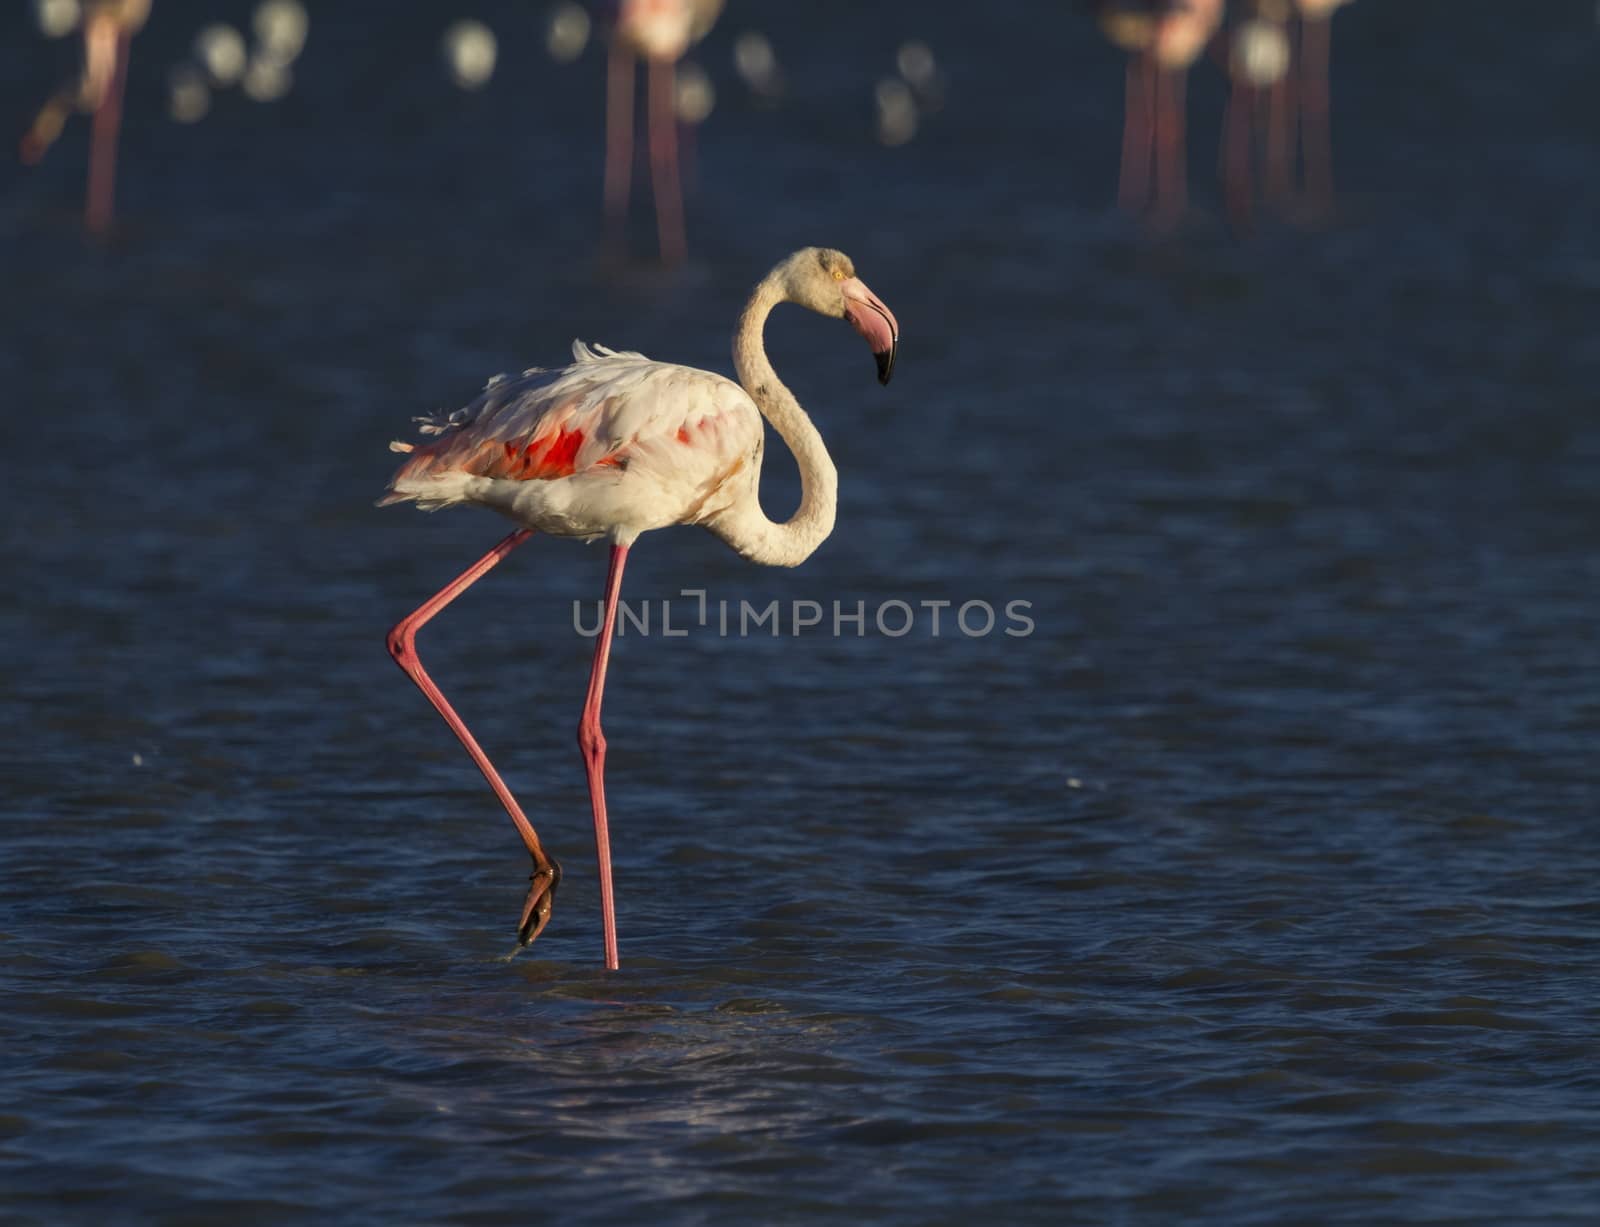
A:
(541, 460)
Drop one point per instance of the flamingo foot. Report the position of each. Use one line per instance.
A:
(540, 900)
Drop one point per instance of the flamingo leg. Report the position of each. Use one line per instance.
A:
(109, 46)
(592, 743)
(1172, 193)
(1238, 177)
(619, 138)
(1279, 177)
(664, 177)
(402, 646)
(1133, 188)
(1315, 36)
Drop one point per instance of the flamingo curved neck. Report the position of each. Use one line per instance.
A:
(745, 527)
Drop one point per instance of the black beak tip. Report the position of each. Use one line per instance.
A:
(886, 363)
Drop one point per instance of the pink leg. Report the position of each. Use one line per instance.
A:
(103, 144)
(1133, 189)
(1172, 192)
(402, 646)
(1237, 175)
(619, 138)
(1279, 177)
(592, 742)
(1318, 137)
(664, 161)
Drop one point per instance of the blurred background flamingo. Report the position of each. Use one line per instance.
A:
(1130, 25)
(660, 32)
(1279, 105)
(1183, 30)
(108, 28)
(1259, 102)
(1162, 38)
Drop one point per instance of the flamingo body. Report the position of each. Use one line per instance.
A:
(612, 446)
(656, 29)
(1183, 29)
(1319, 10)
(108, 30)
(1130, 27)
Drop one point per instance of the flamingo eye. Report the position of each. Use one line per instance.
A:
(838, 274)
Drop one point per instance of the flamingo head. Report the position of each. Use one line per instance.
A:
(825, 281)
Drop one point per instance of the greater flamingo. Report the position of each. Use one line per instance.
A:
(660, 32)
(1182, 31)
(1162, 38)
(615, 445)
(108, 30)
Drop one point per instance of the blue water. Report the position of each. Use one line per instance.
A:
(1256, 885)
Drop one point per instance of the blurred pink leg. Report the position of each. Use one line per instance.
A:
(1278, 182)
(592, 743)
(1237, 175)
(403, 647)
(1133, 188)
(1315, 37)
(619, 138)
(664, 161)
(98, 208)
(1172, 190)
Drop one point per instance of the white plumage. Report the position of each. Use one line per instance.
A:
(613, 445)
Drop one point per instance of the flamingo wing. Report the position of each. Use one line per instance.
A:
(607, 412)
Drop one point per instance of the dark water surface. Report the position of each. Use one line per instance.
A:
(1257, 885)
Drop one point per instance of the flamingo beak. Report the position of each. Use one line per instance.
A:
(875, 322)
